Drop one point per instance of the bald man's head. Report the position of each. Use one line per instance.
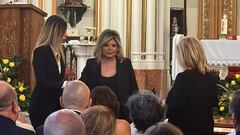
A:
(7, 94)
(64, 122)
(76, 95)
(8, 101)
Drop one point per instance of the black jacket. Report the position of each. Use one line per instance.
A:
(126, 80)
(8, 127)
(45, 96)
(190, 102)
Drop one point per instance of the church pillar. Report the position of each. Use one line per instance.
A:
(150, 36)
(118, 18)
(106, 8)
(136, 32)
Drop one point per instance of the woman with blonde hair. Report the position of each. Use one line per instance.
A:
(193, 95)
(49, 68)
(110, 68)
(99, 120)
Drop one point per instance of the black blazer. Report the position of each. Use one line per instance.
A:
(8, 127)
(126, 80)
(190, 102)
(45, 97)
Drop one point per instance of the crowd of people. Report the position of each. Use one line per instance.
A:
(106, 99)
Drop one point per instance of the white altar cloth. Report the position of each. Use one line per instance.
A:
(222, 52)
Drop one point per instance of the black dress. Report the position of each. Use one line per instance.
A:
(190, 102)
(45, 97)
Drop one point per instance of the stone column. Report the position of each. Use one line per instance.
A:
(136, 32)
(118, 18)
(106, 9)
(150, 36)
(83, 52)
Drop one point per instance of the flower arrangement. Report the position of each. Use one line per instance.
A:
(9, 69)
(229, 87)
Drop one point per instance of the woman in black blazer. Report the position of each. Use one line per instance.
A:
(110, 68)
(49, 68)
(193, 95)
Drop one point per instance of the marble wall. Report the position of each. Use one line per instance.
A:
(155, 78)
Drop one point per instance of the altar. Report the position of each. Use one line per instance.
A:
(222, 52)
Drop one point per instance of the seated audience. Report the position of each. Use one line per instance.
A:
(64, 122)
(9, 111)
(163, 128)
(99, 120)
(145, 110)
(76, 96)
(234, 108)
(103, 95)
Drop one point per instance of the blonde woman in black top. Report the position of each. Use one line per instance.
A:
(193, 95)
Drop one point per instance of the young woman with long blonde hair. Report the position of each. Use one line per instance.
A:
(49, 68)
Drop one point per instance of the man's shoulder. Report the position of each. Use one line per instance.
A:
(15, 130)
(23, 131)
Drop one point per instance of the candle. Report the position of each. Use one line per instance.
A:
(224, 23)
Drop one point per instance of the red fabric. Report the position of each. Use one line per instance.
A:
(232, 71)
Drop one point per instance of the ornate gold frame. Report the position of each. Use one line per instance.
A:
(210, 13)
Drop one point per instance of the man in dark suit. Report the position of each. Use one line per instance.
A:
(9, 111)
(76, 96)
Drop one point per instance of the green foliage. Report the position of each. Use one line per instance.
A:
(9, 69)
(228, 86)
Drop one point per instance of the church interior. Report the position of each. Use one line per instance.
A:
(149, 31)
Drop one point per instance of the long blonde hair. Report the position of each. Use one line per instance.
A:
(51, 34)
(191, 55)
(104, 37)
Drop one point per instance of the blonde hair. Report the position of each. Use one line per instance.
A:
(51, 33)
(104, 37)
(99, 120)
(191, 55)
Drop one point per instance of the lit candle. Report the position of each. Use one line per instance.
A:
(224, 23)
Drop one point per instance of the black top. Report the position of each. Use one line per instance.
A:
(111, 82)
(8, 127)
(125, 81)
(190, 102)
(45, 96)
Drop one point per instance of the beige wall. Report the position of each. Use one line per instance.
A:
(192, 18)
(177, 3)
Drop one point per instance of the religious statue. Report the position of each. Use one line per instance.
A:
(175, 27)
